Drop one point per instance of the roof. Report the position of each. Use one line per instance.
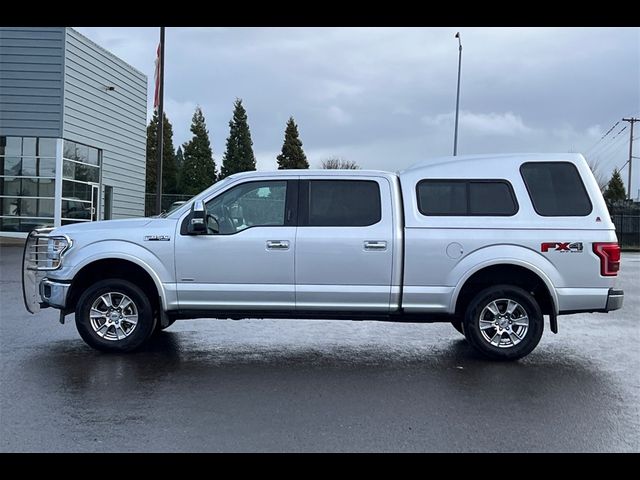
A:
(500, 158)
(310, 172)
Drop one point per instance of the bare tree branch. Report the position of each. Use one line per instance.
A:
(338, 163)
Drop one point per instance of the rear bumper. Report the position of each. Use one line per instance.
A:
(614, 300)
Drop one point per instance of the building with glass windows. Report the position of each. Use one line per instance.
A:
(72, 131)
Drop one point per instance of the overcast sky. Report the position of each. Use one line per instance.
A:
(385, 97)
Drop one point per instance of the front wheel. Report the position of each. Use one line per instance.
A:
(504, 322)
(114, 315)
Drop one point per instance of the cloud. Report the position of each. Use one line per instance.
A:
(384, 97)
(338, 115)
(506, 124)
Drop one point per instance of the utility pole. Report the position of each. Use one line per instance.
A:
(631, 120)
(160, 98)
(455, 134)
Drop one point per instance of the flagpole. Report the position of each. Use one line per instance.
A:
(160, 125)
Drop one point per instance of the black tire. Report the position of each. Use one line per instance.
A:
(135, 337)
(512, 324)
(160, 328)
(457, 324)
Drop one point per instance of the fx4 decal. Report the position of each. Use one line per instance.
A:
(575, 247)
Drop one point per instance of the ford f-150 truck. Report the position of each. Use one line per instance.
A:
(491, 243)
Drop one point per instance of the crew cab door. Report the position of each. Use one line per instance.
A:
(344, 244)
(245, 261)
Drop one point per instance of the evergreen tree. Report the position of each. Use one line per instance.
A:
(238, 156)
(169, 169)
(292, 155)
(615, 191)
(199, 168)
(179, 158)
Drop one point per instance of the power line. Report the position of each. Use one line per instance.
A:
(603, 136)
(606, 144)
(609, 147)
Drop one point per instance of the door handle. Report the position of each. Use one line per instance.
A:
(375, 245)
(278, 244)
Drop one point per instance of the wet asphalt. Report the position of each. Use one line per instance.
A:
(309, 386)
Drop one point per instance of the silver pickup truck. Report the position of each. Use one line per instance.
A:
(490, 243)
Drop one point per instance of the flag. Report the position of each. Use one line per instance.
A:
(156, 76)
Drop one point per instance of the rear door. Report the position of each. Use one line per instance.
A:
(344, 244)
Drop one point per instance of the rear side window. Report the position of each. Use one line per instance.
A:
(344, 203)
(556, 189)
(466, 198)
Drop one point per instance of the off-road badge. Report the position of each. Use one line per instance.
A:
(157, 238)
(575, 247)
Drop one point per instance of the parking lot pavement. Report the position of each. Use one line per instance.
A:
(283, 385)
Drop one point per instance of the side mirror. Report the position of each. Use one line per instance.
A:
(196, 224)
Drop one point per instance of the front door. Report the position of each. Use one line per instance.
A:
(344, 245)
(245, 261)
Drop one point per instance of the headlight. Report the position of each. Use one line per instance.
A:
(56, 246)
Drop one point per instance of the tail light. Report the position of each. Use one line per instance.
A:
(609, 254)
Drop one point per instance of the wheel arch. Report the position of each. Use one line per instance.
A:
(119, 265)
(510, 271)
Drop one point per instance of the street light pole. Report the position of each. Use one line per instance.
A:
(455, 135)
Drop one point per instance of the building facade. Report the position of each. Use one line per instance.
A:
(72, 131)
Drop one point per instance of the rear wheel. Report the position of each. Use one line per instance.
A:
(504, 322)
(114, 315)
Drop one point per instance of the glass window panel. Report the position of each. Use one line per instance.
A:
(442, 197)
(69, 150)
(75, 190)
(17, 224)
(491, 198)
(250, 204)
(342, 203)
(68, 169)
(26, 207)
(29, 166)
(9, 206)
(87, 173)
(556, 189)
(9, 186)
(13, 147)
(47, 167)
(3, 144)
(12, 166)
(82, 152)
(29, 146)
(74, 209)
(47, 147)
(38, 187)
(93, 157)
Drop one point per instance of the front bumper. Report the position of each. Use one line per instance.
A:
(614, 300)
(53, 293)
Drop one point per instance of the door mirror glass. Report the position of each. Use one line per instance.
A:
(196, 224)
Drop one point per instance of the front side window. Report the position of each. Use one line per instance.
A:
(466, 198)
(344, 203)
(556, 189)
(247, 205)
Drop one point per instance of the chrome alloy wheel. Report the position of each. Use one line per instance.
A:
(113, 316)
(503, 323)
